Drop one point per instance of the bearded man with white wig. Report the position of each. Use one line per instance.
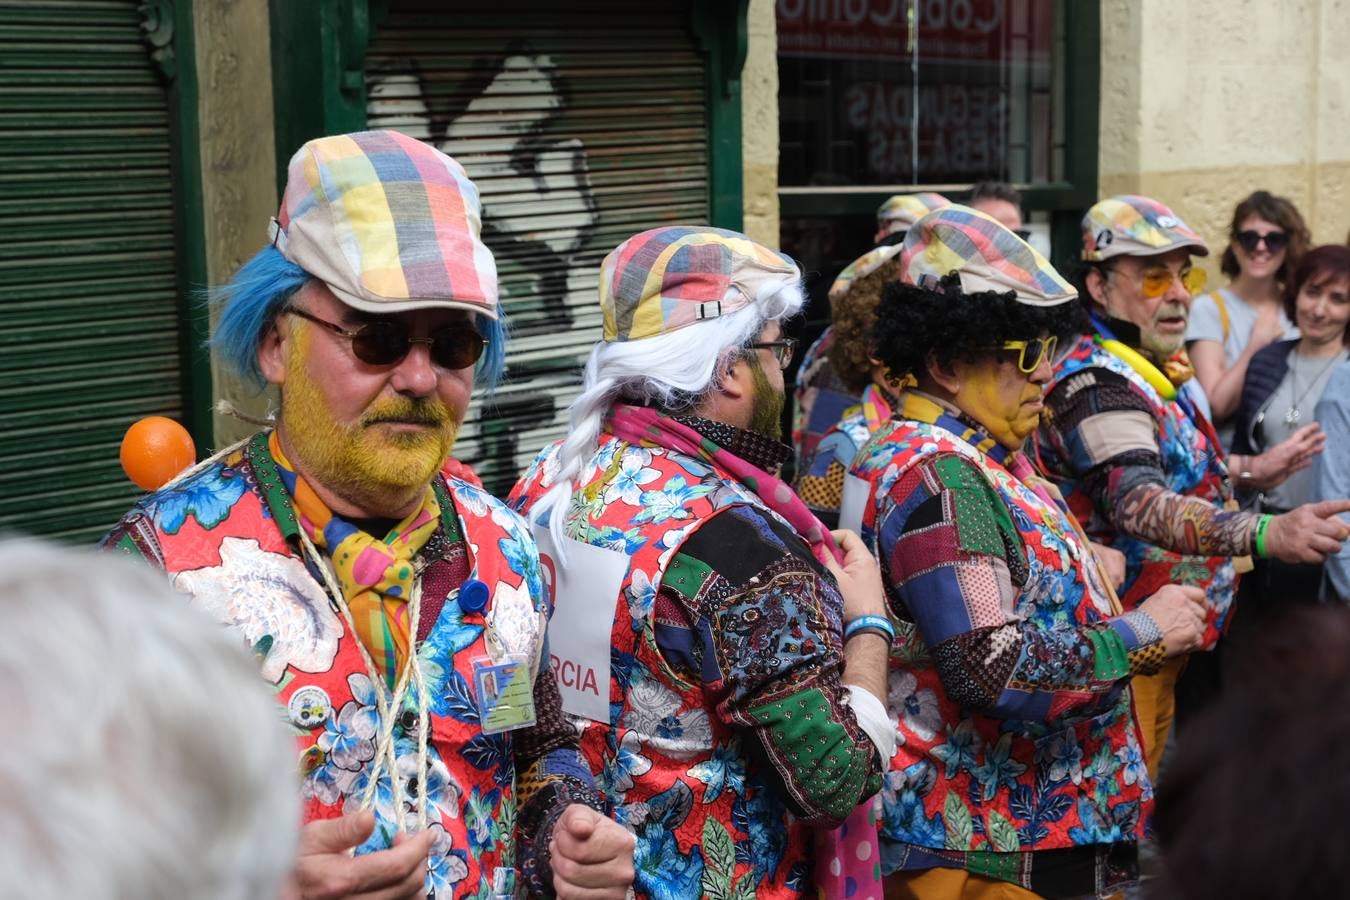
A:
(397, 611)
(742, 704)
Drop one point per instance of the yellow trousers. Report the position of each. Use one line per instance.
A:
(951, 884)
(1155, 703)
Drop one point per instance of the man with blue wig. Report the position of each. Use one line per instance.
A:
(397, 610)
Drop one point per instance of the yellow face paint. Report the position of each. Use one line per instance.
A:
(370, 463)
(1002, 400)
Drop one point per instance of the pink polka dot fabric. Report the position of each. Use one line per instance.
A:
(848, 859)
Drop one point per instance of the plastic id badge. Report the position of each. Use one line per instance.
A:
(505, 693)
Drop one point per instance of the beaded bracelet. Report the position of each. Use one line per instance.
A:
(879, 623)
(1259, 541)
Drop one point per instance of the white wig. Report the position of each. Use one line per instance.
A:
(673, 371)
(144, 757)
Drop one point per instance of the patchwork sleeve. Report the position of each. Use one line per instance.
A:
(750, 613)
(955, 562)
(551, 774)
(821, 481)
(1105, 432)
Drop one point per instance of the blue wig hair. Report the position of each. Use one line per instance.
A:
(255, 294)
(260, 289)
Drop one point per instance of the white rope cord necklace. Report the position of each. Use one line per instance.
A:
(387, 710)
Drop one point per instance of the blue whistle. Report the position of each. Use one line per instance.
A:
(473, 596)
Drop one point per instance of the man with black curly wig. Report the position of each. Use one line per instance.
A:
(1021, 772)
(1129, 441)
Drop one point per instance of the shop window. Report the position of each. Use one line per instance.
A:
(879, 97)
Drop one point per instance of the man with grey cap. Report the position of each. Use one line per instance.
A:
(741, 654)
(398, 613)
(1128, 439)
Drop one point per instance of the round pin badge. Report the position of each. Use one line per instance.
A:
(1167, 222)
(309, 706)
(473, 596)
(1104, 238)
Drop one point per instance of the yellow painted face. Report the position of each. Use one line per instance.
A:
(388, 456)
(1004, 400)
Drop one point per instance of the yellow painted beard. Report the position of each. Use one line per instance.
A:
(366, 463)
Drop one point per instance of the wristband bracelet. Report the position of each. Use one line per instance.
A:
(880, 623)
(1259, 541)
(868, 629)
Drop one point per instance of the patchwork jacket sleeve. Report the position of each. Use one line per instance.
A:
(1105, 432)
(955, 563)
(551, 774)
(745, 608)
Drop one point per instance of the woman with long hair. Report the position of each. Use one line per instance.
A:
(1266, 240)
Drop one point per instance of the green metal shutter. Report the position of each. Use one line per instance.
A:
(89, 323)
(581, 126)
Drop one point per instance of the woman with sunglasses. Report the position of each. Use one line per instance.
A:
(1227, 326)
(1284, 384)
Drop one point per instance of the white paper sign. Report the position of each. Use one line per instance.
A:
(585, 596)
(853, 502)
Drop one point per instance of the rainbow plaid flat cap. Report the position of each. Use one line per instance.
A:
(985, 255)
(900, 212)
(667, 278)
(389, 223)
(1129, 225)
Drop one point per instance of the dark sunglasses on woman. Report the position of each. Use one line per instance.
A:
(1275, 241)
(385, 342)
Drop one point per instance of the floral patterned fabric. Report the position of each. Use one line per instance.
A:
(1009, 674)
(727, 726)
(228, 537)
(1192, 464)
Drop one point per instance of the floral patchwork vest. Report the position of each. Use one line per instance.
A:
(674, 772)
(961, 781)
(1192, 460)
(228, 538)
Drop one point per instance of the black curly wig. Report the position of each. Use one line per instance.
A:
(913, 322)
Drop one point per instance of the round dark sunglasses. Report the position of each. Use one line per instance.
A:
(384, 342)
(1275, 240)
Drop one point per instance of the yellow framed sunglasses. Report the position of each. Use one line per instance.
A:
(1033, 352)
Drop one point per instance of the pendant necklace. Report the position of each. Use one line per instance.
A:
(1294, 414)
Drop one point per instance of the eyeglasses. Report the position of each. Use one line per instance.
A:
(385, 342)
(1023, 233)
(1275, 241)
(1033, 352)
(1157, 280)
(783, 349)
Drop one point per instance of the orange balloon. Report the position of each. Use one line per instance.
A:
(154, 450)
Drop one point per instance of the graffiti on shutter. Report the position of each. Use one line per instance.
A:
(546, 175)
(578, 136)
